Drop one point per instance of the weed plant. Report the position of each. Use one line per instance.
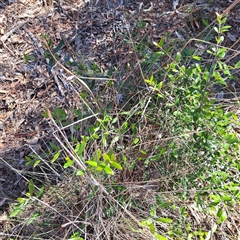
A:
(163, 165)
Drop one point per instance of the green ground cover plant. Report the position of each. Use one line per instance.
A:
(163, 165)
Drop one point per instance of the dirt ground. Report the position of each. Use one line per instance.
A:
(91, 32)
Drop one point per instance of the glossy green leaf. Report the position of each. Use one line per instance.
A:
(106, 157)
(99, 168)
(159, 237)
(152, 228)
(124, 127)
(36, 163)
(161, 42)
(108, 170)
(136, 140)
(237, 65)
(68, 164)
(164, 220)
(113, 159)
(15, 212)
(226, 198)
(159, 85)
(153, 211)
(222, 215)
(197, 57)
(116, 165)
(80, 173)
(216, 29)
(55, 157)
(92, 163)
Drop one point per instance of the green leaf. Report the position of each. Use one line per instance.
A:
(22, 200)
(36, 162)
(219, 39)
(125, 113)
(116, 165)
(221, 52)
(98, 154)
(142, 24)
(150, 81)
(51, 63)
(108, 170)
(223, 21)
(68, 163)
(152, 228)
(146, 222)
(113, 159)
(136, 140)
(99, 168)
(224, 29)
(54, 147)
(31, 187)
(59, 114)
(114, 120)
(102, 164)
(231, 139)
(178, 57)
(227, 72)
(237, 65)
(164, 220)
(216, 29)
(50, 42)
(40, 192)
(220, 65)
(161, 42)
(75, 236)
(222, 215)
(92, 163)
(159, 85)
(124, 127)
(153, 211)
(219, 78)
(32, 218)
(28, 58)
(59, 46)
(95, 136)
(80, 173)
(55, 157)
(106, 157)
(159, 237)
(80, 148)
(209, 37)
(219, 17)
(205, 22)
(226, 198)
(197, 57)
(28, 158)
(188, 228)
(16, 211)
